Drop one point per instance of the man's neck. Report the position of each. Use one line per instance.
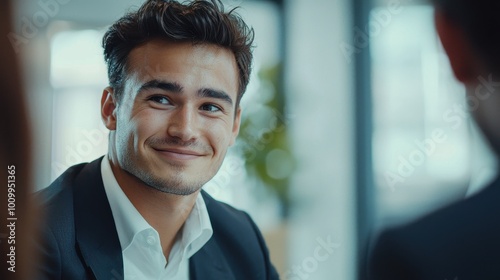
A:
(165, 212)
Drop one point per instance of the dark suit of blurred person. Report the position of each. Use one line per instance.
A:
(460, 241)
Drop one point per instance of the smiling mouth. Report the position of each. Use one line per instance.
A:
(179, 154)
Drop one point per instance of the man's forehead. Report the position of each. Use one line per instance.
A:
(153, 52)
(161, 59)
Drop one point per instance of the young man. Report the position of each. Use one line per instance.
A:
(461, 241)
(177, 73)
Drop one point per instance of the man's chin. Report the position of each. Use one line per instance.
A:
(179, 191)
(175, 184)
(174, 188)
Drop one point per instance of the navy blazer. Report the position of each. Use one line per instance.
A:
(458, 242)
(80, 241)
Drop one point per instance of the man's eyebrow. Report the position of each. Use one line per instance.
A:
(163, 85)
(212, 93)
(176, 88)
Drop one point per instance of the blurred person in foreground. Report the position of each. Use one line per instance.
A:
(18, 217)
(176, 75)
(460, 241)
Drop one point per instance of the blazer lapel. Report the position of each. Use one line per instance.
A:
(209, 263)
(95, 228)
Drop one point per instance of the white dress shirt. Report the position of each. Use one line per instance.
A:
(143, 256)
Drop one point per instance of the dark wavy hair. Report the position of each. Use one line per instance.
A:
(480, 20)
(201, 21)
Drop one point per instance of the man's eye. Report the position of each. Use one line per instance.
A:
(210, 108)
(160, 99)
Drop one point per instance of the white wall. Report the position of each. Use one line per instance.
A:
(319, 88)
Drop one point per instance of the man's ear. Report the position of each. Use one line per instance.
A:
(236, 126)
(462, 59)
(108, 108)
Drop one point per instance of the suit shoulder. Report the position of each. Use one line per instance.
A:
(61, 187)
(232, 224)
(473, 215)
(460, 239)
(467, 226)
(224, 213)
(240, 239)
(59, 194)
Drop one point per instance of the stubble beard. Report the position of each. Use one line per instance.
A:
(173, 185)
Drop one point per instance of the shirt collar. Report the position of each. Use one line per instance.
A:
(197, 229)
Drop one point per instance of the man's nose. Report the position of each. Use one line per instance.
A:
(183, 124)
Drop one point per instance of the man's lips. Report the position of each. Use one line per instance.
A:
(180, 154)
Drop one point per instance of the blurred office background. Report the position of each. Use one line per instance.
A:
(352, 120)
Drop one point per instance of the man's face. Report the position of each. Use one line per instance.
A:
(177, 116)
